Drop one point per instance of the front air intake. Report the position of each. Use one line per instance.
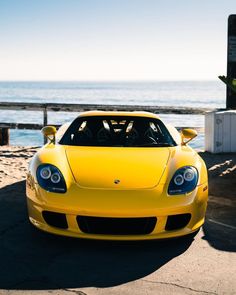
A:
(55, 219)
(177, 221)
(116, 226)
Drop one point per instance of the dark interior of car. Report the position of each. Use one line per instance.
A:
(117, 131)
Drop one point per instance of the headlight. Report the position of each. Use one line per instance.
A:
(184, 181)
(45, 173)
(50, 178)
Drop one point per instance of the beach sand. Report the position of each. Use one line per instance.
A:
(13, 163)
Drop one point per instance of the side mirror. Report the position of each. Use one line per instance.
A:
(49, 132)
(187, 135)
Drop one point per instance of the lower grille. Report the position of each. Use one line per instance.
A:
(55, 219)
(116, 226)
(177, 221)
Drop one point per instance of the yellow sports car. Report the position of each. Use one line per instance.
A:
(119, 176)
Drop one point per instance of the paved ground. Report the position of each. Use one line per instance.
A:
(38, 263)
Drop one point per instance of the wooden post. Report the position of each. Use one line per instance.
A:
(45, 121)
(4, 136)
(45, 117)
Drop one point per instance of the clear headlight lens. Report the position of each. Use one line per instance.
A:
(50, 178)
(184, 181)
(55, 178)
(189, 174)
(178, 180)
(45, 173)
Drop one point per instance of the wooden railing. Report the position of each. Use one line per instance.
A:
(59, 107)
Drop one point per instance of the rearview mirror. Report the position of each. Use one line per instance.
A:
(187, 135)
(49, 132)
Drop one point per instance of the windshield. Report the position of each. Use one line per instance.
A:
(115, 131)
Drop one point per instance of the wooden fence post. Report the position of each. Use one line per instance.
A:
(45, 121)
(4, 136)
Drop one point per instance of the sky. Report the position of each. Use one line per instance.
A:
(103, 40)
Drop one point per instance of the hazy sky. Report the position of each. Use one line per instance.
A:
(113, 39)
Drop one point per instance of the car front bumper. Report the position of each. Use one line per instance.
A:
(115, 205)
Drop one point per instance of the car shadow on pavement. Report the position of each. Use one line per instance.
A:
(34, 260)
(220, 226)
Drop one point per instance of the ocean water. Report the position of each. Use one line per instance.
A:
(209, 94)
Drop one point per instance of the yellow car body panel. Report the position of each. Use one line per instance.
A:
(117, 182)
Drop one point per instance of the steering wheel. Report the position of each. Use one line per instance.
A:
(150, 134)
(153, 140)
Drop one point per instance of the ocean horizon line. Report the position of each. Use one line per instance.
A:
(109, 81)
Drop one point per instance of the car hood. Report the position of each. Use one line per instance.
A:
(117, 168)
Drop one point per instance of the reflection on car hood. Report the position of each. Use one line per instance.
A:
(117, 167)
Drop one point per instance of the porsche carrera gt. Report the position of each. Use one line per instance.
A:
(117, 175)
